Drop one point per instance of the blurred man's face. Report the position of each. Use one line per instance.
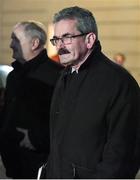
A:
(21, 45)
(119, 60)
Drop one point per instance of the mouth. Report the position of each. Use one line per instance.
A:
(63, 51)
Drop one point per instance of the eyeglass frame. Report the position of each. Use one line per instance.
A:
(66, 36)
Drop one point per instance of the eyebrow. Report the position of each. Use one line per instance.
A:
(64, 35)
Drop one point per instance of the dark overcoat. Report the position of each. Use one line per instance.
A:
(28, 96)
(94, 122)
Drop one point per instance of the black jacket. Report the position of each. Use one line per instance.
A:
(94, 122)
(28, 96)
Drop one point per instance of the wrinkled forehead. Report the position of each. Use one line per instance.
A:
(18, 32)
(65, 26)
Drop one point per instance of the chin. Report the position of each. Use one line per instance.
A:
(64, 61)
(14, 57)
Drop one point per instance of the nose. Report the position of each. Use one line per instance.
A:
(60, 44)
(11, 44)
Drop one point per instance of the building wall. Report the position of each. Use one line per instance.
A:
(118, 22)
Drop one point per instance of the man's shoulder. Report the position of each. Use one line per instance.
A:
(111, 72)
(50, 65)
(119, 72)
(47, 72)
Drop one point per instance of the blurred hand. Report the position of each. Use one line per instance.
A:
(26, 141)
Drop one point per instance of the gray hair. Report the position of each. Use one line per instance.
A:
(86, 22)
(34, 29)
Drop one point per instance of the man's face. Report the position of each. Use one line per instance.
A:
(74, 52)
(20, 44)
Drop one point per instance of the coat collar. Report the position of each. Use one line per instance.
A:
(91, 57)
(42, 57)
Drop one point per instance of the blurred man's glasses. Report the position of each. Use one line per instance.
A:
(66, 39)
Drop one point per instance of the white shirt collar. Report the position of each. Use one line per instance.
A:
(74, 69)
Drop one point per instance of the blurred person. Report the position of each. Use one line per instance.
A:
(95, 107)
(24, 134)
(119, 58)
(2, 91)
(4, 71)
(2, 97)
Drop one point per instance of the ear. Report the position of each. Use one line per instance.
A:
(35, 43)
(90, 40)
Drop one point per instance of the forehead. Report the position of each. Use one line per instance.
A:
(65, 26)
(18, 32)
(119, 57)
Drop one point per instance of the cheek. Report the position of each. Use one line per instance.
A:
(24, 51)
(77, 51)
(19, 49)
(73, 49)
(25, 48)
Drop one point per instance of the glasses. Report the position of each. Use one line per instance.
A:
(67, 39)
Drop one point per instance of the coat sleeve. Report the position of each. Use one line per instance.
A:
(120, 156)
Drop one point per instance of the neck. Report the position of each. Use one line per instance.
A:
(35, 53)
(77, 65)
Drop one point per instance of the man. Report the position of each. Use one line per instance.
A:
(4, 71)
(95, 106)
(25, 130)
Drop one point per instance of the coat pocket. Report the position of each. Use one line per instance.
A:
(80, 172)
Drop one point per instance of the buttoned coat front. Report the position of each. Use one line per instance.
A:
(94, 120)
